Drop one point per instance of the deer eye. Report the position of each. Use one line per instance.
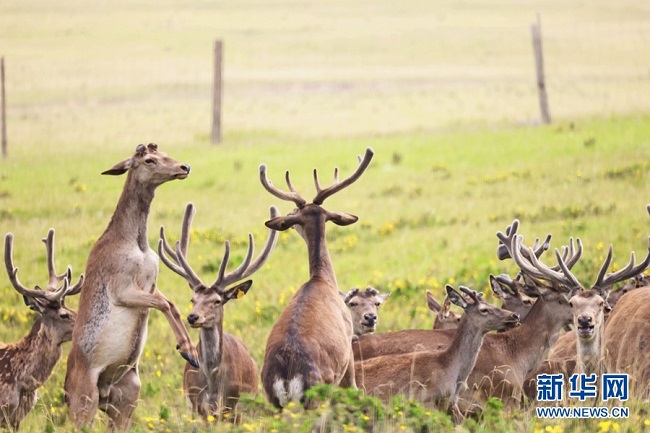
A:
(483, 311)
(352, 304)
(377, 304)
(527, 302)
(64, 316)
(217, 302)
(150, 161)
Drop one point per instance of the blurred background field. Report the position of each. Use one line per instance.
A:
(444, 92)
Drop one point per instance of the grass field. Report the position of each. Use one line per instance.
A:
(442, 91)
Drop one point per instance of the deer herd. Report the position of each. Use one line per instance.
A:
(549, 322)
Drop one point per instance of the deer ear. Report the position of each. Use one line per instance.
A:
(281, 223)
(432, 303)
(119, 168)
(497, 289)
(456, 298)
(238, 291)
(341, 218)
(33, 304)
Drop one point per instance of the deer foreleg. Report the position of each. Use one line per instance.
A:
(156, 300)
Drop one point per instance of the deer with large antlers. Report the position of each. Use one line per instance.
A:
(310, 342)
(26, 365)
(583, 350)
(227, 369)
(505, 358)
(437, 378)
(363, 306)
(119, 290)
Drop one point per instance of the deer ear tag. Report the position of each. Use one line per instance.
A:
(240, 294)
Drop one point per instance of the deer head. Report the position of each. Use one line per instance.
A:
(150, 166)
(209, 299)
(364, 305)
(49, 303)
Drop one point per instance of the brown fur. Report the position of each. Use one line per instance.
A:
(310, 341)
(119, 290)
(436, 378)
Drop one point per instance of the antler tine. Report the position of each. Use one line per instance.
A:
(249, 270)
(189, 273)
(282, 195)
(628, 271)
(505, 240)
(188, 217)
(224, 279)
(566, 272)
(323, 194)
(351, 294)
(162, 252)
(12, 271)
(471, 293)
(525, 265)
(164, 249)
(49, 252)
(73, 290)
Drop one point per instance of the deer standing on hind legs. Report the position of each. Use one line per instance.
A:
(310, 342)
(119, 290)
(26, 365)
(227, 369)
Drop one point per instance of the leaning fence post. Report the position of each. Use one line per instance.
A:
(536, 30)
(216, 94)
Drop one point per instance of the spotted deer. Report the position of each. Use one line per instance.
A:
(27, 364)
(310, 341)
(119, 289)
(437, 378)
(226, 367)
(363, 305)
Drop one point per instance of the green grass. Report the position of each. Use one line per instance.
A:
(442, 91)
(429, 206)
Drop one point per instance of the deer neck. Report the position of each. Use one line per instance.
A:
(531, 341)
(320, 264)
(132, 211)
(591, 353)
(211, 352)
(463, 350)
(42, 350)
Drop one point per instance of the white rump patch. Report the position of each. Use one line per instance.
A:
(293, 393)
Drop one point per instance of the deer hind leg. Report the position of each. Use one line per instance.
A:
(122, 400)
(81, 393)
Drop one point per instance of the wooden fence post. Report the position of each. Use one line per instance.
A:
(216, 95)
(536, 30)
(3, 108)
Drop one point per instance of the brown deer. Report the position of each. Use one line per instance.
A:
(119, 290)
(227, 369)
(506, 358)
(626, 339)
(27, 364)
(363, 305)
(437, 378)
(583, 350)
(445, 318)
(310, 341)
(503, 288)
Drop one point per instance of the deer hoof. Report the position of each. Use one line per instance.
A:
(193, 362)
